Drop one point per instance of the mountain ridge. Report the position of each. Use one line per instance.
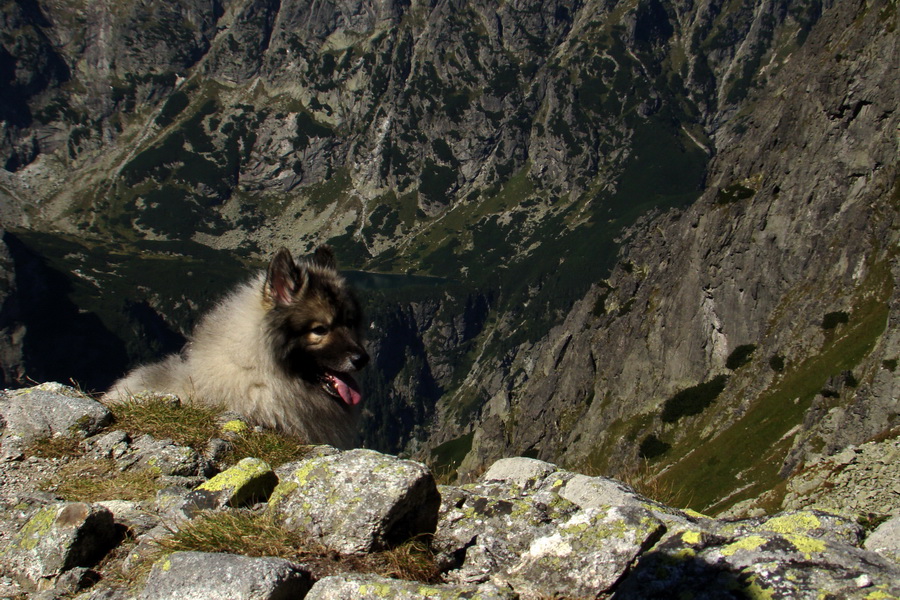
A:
(621, 196)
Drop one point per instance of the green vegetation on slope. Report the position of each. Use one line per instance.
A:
(748, 455)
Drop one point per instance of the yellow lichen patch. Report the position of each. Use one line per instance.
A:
(35, 529)
(235, 426)
(881, 594)
(283, 489)
(694, 514)
(749, 543)
(381, 590)
(755, 591)
(684, 554)
(301, 475)
(806, 544)
(238, 475)
(691, 537)
(793, 523)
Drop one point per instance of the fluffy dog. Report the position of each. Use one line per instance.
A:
(280, 350)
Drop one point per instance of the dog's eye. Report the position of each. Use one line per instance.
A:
(319, 330)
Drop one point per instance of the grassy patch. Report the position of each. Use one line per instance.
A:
(61, 446)
(91, 480)
(187, 424)
(270, 446)
(259, 534)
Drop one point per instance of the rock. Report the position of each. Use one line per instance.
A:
(164, 457)
(210, 576)
(812, 523)
(358, 501)
(594, 492)
(112, 445)
(586, 555)
(250, 480)
(133, 516)
(885, 539)
(479, 535)
(44, 411)
(765, 564)
(371, 587)
(851, 482)
(525, 529)
(60, 537)
(523, 472)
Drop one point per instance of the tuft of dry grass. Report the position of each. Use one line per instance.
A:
(273, 447)
(188, 424)
(260, 534)
(646, 482)
(60, 446)
(88, 480)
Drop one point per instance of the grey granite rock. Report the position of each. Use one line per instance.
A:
(358, 501)
(209, 576)
(250, 480)
(586, 555)
(885, 539)
(60, 537)
(371, 587)
(44, 411)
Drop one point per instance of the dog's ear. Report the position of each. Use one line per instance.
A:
(284, 279)
(324, 257)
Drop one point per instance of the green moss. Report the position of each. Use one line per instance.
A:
(235, 426)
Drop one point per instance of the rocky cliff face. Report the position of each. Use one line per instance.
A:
(666, 231)
(770, 301)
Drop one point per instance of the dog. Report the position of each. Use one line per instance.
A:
(280, 350)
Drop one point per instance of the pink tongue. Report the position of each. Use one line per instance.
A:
(347, 388)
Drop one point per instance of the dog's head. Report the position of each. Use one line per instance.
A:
(315, 322)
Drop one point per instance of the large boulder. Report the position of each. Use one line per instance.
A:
(212, 576)
(44, 411)
(373, 587)
(60, 537)
(358, 501)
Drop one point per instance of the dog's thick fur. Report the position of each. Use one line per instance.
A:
(279, 350)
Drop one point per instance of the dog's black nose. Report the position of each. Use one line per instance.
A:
(359, 360)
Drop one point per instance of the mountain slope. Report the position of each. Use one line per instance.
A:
(620, 201)
(770, 300)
